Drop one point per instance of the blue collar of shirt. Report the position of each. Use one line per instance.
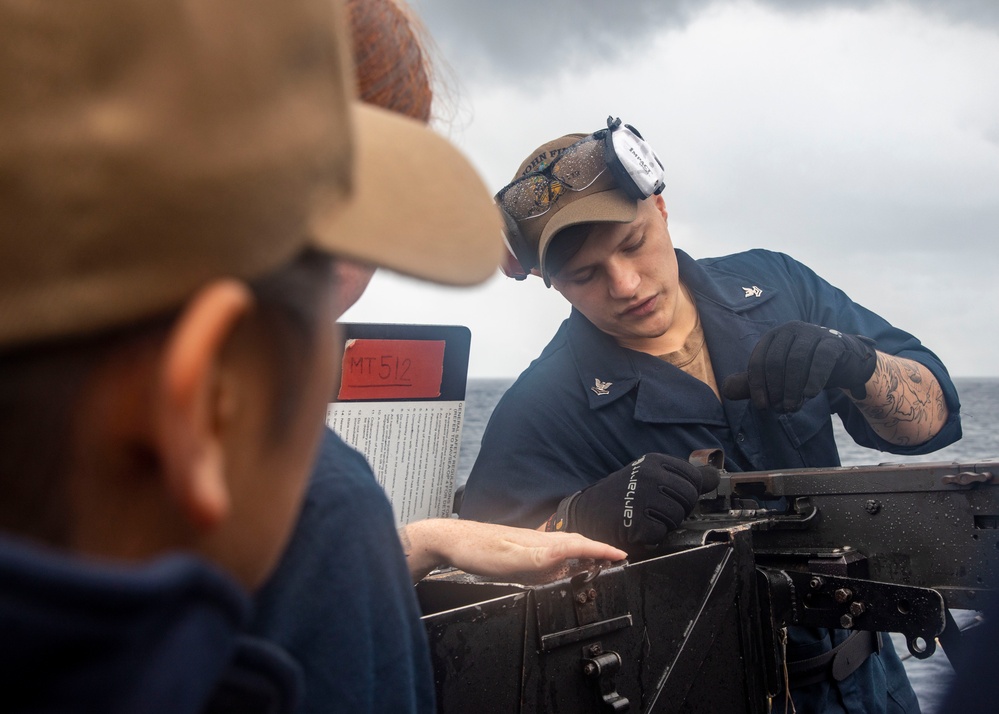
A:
(724, 303)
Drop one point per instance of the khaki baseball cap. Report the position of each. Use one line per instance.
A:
(601, 202)
(148, 146)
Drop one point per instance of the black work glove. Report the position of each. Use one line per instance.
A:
(638, 505)
(796, 361)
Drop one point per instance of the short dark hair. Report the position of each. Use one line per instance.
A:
(41, 385)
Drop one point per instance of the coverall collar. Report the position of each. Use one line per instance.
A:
(608, 371)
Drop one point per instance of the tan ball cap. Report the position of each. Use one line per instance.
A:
(147, 147)
(601, 202)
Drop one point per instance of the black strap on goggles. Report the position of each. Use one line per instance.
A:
(619, 148)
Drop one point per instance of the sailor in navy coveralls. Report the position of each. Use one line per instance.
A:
(662, 354)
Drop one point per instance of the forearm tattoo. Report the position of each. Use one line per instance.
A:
(904, 402)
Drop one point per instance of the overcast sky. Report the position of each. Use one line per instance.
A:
(862, 138)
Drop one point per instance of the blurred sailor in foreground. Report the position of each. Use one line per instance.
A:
(173, 176)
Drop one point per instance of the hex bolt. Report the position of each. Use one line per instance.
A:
(846, 622)
(872, 507)
(592, 593)
(843, 595)
(589, 669)
(815, 583)
(857, 609)
(581, 598)
(594, 650)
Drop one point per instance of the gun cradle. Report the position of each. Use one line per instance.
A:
(677, 633)
(697, 626)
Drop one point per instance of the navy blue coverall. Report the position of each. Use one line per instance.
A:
(586, 407)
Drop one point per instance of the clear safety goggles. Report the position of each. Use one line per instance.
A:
(575, 169)
(619, 149)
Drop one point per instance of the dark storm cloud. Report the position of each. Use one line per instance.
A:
(531, 38)
(513, 40)
(874, 162)
(973, 12)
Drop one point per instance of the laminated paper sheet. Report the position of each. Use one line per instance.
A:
(412, 447)
(401, 403)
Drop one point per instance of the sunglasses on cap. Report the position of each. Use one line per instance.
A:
(619, 148)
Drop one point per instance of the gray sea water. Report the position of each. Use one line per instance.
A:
(980, 421)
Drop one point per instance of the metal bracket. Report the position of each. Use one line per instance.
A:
(851, 603)
(584, 595)
(603, 666)
(967, 478)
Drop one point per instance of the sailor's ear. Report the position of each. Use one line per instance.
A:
(195, 401)
(660, 204)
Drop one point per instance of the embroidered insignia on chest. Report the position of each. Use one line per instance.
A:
(600, 388)
(753, 291)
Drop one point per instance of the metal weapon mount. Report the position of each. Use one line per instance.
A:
(697, 627)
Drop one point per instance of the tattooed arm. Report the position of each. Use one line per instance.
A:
(904, 403)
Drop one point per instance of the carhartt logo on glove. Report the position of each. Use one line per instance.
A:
(659, 492)
(630, 495)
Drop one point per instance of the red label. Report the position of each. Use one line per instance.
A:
(392, 369)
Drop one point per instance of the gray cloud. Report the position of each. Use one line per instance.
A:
(973, 12)
(517, 40)
(529, 39)
(871, 157)
(991, 134)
